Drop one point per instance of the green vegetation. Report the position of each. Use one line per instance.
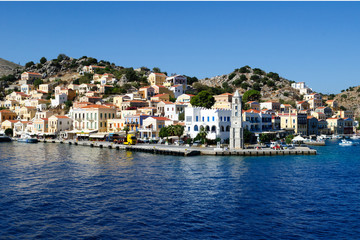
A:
(248, 136)
(258, 71)
(203, 99)
(86, 78)
(8, 132)
(273, 75)
(43, 60)
(245, 69)
(265, 137)
(201, 136)
(37, 82)
(232, 75)
(8, 78)
(29, 64)
(344, 96)
(156, 70)
(251, 95)
(289, 138)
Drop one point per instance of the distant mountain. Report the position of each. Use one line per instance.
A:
(7, 67)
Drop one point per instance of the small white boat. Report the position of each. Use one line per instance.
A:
(4, 138)
(355, 137)
(315, 142)
(336, 137)
(347, 143)
(25, 138)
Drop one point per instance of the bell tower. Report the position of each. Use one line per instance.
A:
(236, 130)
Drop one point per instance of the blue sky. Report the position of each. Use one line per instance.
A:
(315, 42)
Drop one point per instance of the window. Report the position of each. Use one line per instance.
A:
(220, 119)
(213, 118)
(100, 115)
(208, 119)
(196, 128)
(197, 118)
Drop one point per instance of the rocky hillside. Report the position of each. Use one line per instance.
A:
(350, 99)
(270, 85)
(7, 67)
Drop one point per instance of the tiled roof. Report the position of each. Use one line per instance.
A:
(162, 118)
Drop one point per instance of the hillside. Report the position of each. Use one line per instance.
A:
(350, 99)
(270, 85)
(7, 67)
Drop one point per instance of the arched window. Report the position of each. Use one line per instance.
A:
(207, 128)
(196, 128)
(222, 129)
(213, 129)
(201, 127)
(228, 128)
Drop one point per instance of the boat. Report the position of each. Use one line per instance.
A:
(347, 143)
(25, 138)
(4, 138)
(355, 137)
(336, 137)
(314, 142)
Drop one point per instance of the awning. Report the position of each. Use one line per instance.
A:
(97, 135)
(298, 139)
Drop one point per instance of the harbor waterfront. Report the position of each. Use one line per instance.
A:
(59, 191)
(187, 150)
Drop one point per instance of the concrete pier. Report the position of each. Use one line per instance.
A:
(186, 151)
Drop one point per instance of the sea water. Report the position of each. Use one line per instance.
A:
(58, 191)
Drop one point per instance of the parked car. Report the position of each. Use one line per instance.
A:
(179, 142)
(196, 143)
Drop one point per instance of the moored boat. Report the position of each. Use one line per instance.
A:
(4, 138)
(347, 143)
(25, 138)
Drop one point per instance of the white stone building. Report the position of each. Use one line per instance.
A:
(215, 121)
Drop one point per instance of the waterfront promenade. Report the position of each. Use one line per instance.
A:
(186, 150)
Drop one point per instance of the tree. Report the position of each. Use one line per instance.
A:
(244, 69)
(203, 99)
(156, 70)
(68, 104)
(61, 57)
(289, 138)
(258, 71)
(37, 82)
(202, 135)
(8, 132)
(126, 129)
(191, 80)
(29, 64)
(43, 60)
(179, 130)
(163, 132)
(248, 136)
(251, 95)
(182, 116)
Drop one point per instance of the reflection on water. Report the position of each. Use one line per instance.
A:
(76, 192)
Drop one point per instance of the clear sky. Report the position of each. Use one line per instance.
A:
(315, 42)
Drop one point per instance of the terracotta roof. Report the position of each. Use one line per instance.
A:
(94, 66)
(13, 121)
(61, 116)
(252, 111)
(160, 95)
(159, 74)
(33, 73)
(191, 95)
(178, 85)
(162, 118)
(45, 119)
(330, 100)
(227, 94)
(95, 106)
(5, 111)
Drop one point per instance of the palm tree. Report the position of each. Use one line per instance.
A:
(202, 134)
(178, 130)
(126, 129)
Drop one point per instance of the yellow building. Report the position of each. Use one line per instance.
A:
(41, 125)
(7, 115)
(59, 123)
(157, 78)
(223, 101)
(296, 121)
(92, 117)
(161, 97)
(8, 124)
(115, 125)
(26, 113)
(45, 88)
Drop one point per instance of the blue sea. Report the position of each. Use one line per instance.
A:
(57, 191)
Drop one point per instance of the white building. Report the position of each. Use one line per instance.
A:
(302, 87)
(177, 90)
(175, 80)
(59, 99)
(172, 110)
(215, 121)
